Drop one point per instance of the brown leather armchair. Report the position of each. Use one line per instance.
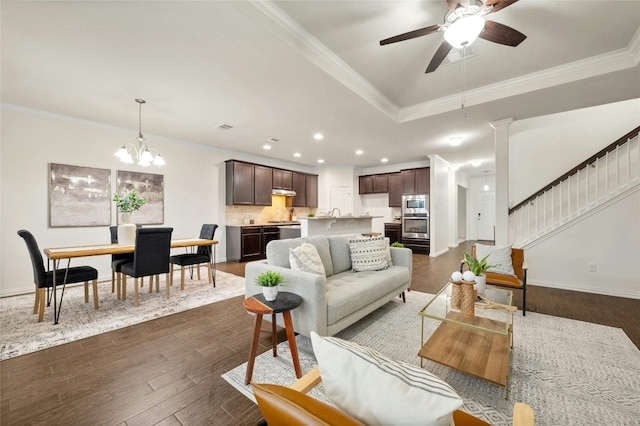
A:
(501, 280)
(290, 406)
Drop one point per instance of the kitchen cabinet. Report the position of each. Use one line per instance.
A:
(282, 179)
(380, 184)
(300, 187)
(415, 181)
(393, 231)
(312, 190)
(365, 184)
(395, 190)
(247, 243)
(240, 183)
(306, 188)
(263, 184)
(373, 184)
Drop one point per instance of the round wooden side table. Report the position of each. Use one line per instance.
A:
(284, 304)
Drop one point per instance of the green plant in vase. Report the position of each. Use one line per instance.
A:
(397, 244)
(478, 267)
(127, 203)
(269, 281)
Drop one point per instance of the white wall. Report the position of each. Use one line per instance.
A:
(544, 148)
(439, 206)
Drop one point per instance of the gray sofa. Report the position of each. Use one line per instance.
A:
(338, 300)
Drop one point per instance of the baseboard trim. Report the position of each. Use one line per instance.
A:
(582, 289)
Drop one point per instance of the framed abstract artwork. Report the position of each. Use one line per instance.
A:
(148, 186)
(79, 196)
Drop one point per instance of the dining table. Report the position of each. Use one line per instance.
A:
(58, 254)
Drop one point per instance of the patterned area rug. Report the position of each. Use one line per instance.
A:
(22, 333)
(570, 372)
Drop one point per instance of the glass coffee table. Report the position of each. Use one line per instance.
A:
(480, 346)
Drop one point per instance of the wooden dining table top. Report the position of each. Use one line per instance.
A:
(55, 253)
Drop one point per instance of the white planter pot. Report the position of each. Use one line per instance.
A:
(126, 231)
(481, 284)
(270, 293)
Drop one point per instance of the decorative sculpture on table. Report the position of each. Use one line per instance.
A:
(127, 204)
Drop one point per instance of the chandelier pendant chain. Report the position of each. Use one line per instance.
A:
(140, 102)
(462, 101)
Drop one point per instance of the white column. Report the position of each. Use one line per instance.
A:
(501, 140)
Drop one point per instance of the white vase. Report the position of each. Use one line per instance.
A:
(126, 231)
(481, 283)
(270, 293)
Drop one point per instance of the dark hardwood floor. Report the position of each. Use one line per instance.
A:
(167, 371)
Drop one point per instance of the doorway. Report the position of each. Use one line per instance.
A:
(486, 216)
(462, 213)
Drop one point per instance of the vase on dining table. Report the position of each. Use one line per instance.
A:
(126, 230)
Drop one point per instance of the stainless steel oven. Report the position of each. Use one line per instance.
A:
(415, 216)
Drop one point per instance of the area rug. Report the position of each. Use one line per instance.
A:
(22, 333)
(570, 372)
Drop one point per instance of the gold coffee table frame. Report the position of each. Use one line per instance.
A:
(480, 346)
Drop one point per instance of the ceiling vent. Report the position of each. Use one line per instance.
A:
(273, 140)
(224, 126)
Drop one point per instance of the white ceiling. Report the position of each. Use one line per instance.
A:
(288, 69)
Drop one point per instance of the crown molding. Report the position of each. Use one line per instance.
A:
(311, 48)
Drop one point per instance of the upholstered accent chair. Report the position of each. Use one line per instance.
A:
(44, 279)
(204, 254)
(150, 259)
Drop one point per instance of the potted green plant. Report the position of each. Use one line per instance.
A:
(126, 204)
(270, 282)
(397, 244)
(478, 267)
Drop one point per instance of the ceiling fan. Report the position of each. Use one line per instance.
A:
(462, 25)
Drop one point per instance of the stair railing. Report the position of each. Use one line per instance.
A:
(597, 180)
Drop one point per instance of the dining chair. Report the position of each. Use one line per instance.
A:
(44, 279)
(202, 255)
(117, 260)
(150, 259)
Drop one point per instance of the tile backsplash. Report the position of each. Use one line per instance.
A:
(277, 211)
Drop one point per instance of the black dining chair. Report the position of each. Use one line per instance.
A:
(44, 279)
(117, 260)
(150, 259)
(202, 255)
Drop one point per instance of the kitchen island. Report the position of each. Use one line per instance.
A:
(330, 225)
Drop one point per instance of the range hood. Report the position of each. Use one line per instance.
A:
(285, 192)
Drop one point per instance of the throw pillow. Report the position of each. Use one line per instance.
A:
(500, 256)
(387, 252)
(368, 254)
(306, 258)
(379, 391)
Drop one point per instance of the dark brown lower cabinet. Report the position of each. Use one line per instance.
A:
(247, 243)
(393, 231)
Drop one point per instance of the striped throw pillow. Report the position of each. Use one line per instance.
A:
(368, 254)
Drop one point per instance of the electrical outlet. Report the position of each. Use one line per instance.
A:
(592, 267)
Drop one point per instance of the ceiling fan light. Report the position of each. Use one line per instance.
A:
(464, 31)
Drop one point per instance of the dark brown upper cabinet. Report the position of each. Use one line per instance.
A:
(263, 184)
(282, 179)
(300, 187)
(365, 184)
(415, 181)
(240, 183)
(380, 184)
(395, 189)
(312, 190)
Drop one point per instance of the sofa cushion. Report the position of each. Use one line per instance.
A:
(340, 253)
(380, 391)
(278, 251)
(368, 254)
(347, 292)
(306, 258)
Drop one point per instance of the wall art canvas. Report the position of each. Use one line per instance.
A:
(79, 196)
(150, 187)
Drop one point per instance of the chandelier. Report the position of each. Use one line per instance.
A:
(142, 153)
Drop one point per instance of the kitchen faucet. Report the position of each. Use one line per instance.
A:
(334, 209)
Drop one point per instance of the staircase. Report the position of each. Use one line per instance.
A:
(594, 184)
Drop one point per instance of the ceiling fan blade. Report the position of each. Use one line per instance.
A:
(499, 4)
(437, 59)
(411, 34)
(502, 34)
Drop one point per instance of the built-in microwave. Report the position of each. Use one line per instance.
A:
(417, 203)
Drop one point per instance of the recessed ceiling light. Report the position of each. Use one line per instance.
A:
(266, 146)
(384, 160)
(320, 160)
(476, 163)
(455, 141)
(296, 154)
(359, 152)
(318, 136)
(454, 167)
